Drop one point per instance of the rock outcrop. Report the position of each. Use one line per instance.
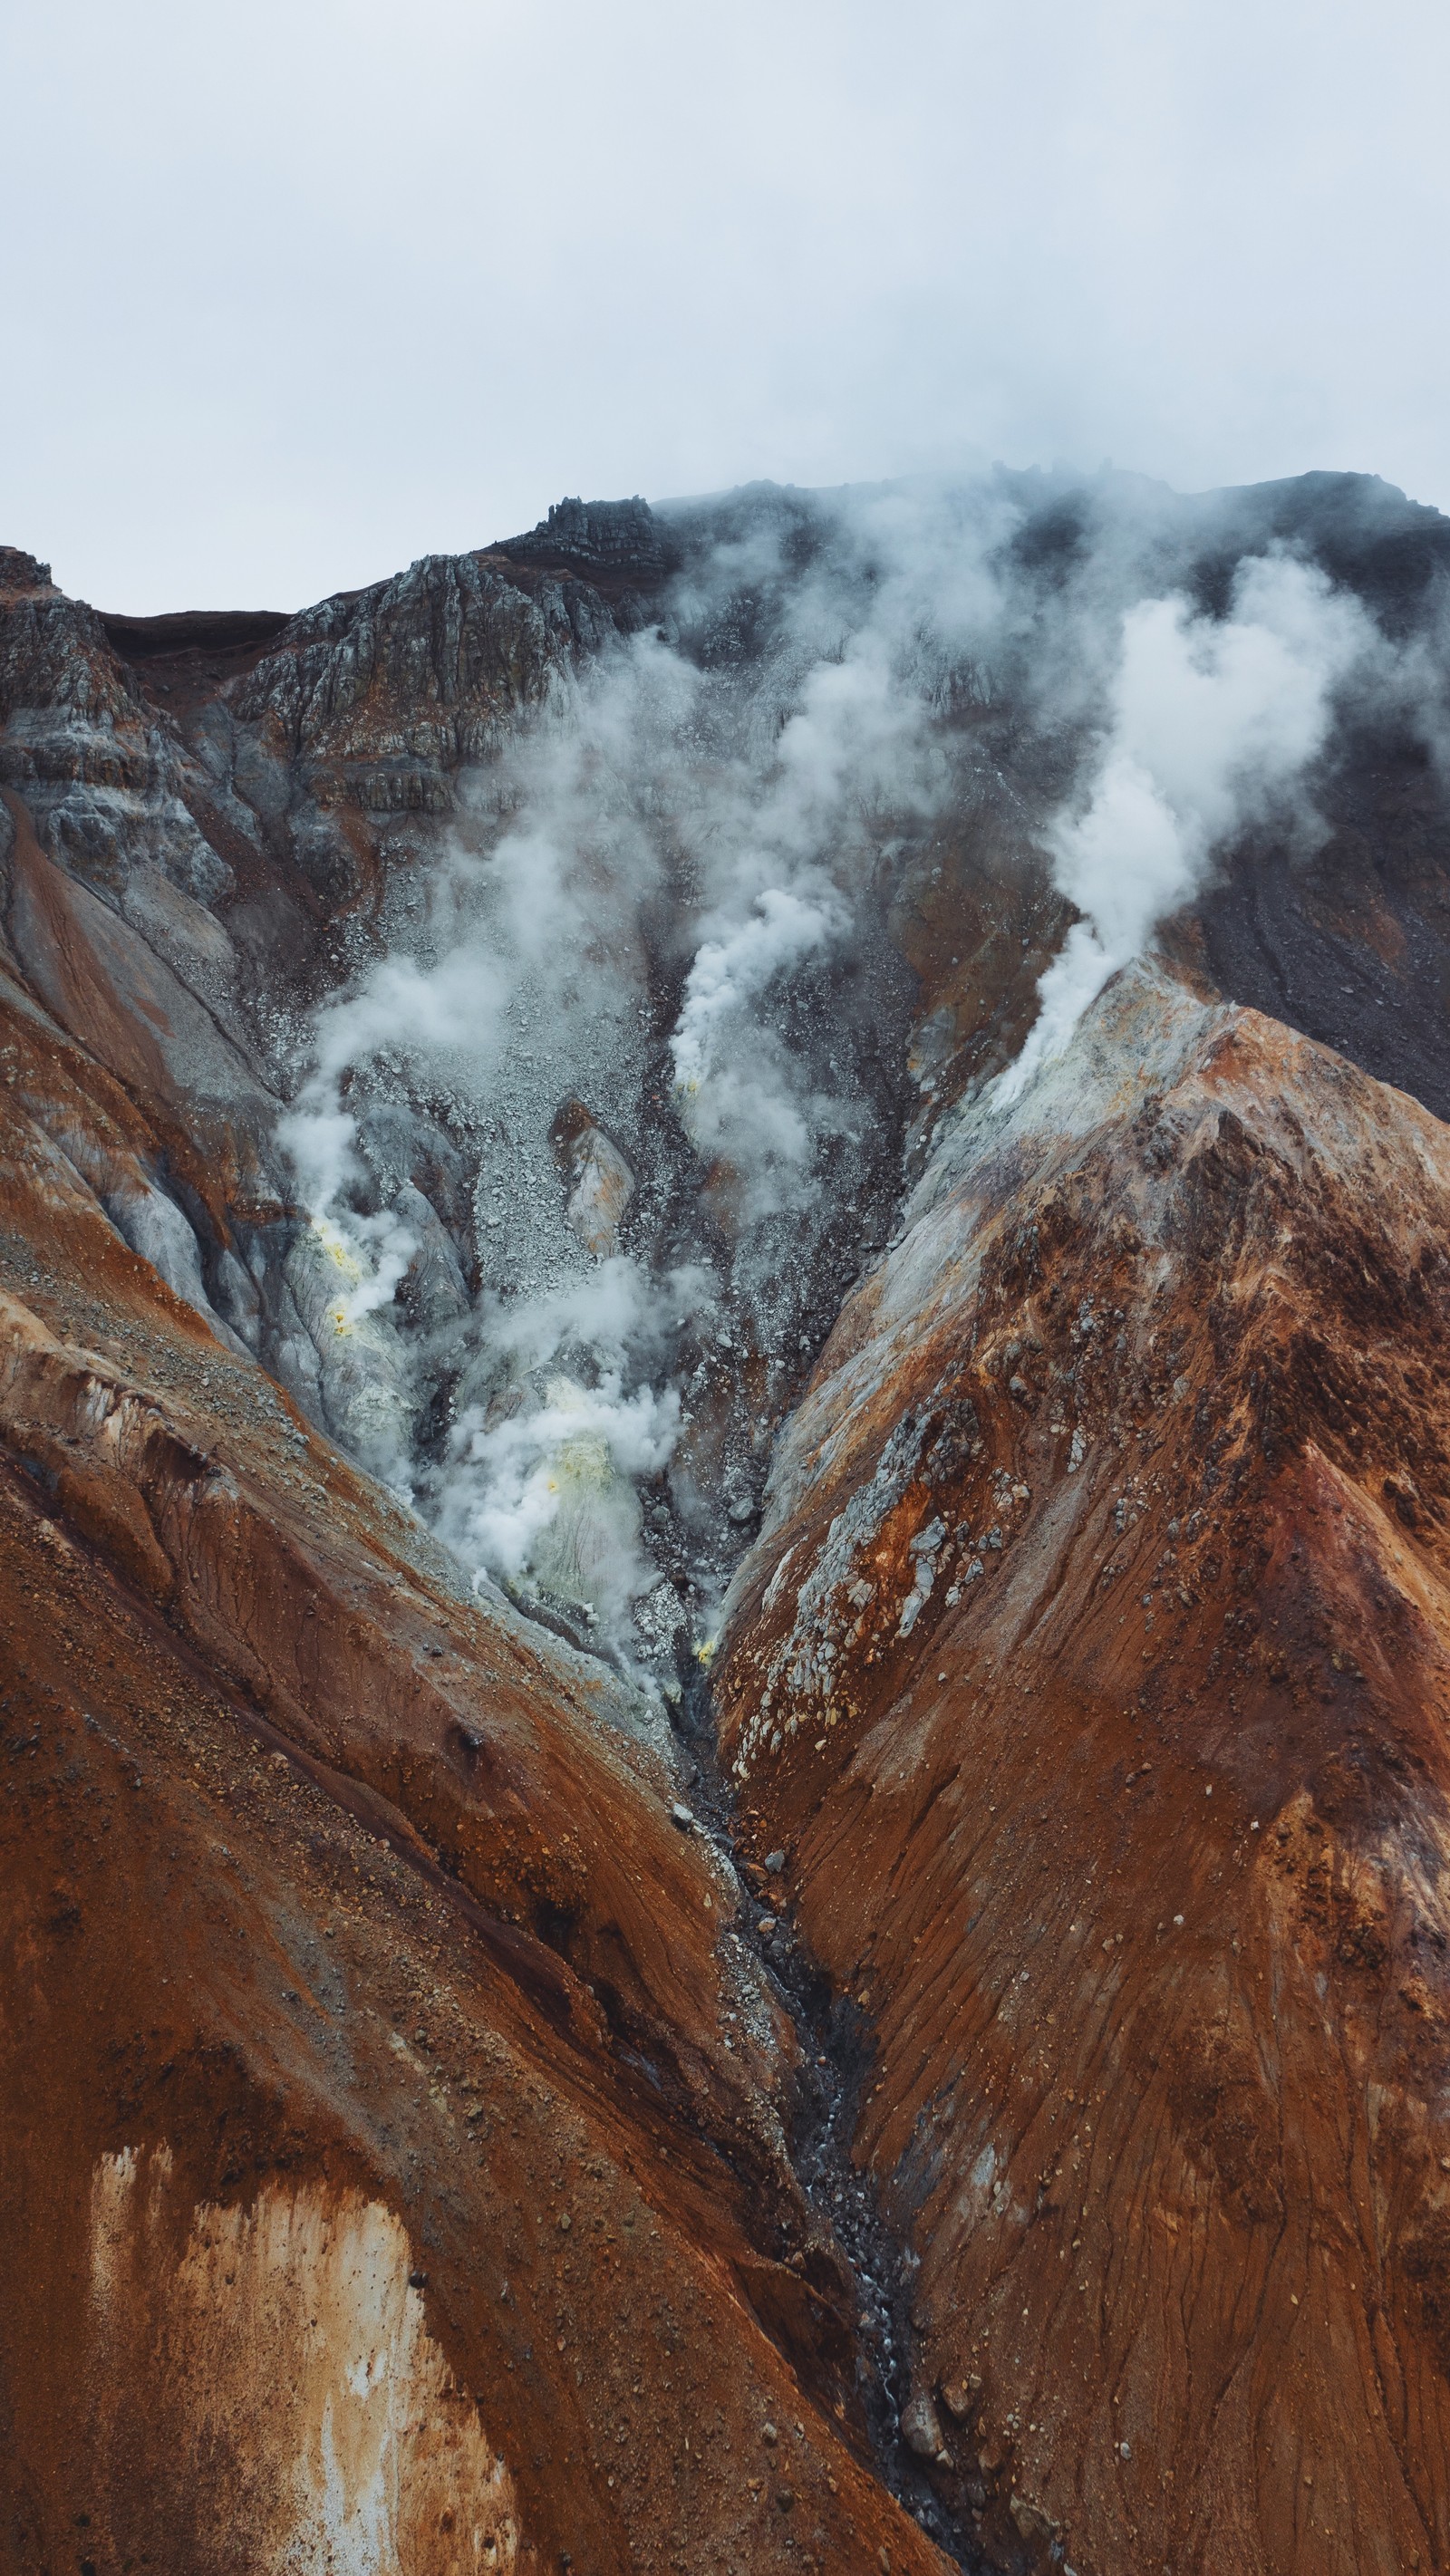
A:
(620, 545)
(426, 667)
(597, 1177)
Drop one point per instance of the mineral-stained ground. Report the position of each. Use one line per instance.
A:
(723, 1761)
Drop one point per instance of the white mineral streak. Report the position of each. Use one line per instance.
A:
(272, 2367)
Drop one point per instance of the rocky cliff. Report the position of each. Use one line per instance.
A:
(725, 1807)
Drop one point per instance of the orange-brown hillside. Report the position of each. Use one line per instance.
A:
(1091, 1673)
(388, 2093)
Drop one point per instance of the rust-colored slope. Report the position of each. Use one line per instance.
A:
(392, 2169)
(1092, 1672)
(108, 989)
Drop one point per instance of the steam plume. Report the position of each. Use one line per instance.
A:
(1212, 727)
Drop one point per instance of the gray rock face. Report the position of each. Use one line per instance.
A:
(209, 810)
(20, 571)
(107, 783)
(621, 537)
(426, 667)
(56, 665)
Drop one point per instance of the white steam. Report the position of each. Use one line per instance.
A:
(539, 1479)
(729, 974)
(744, 814)
(786, 851)
(1213, 724)
(712, 833)
(741, 1097)
(416, 1012)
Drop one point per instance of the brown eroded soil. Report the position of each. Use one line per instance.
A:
(391, 2143)
(1128, 1841)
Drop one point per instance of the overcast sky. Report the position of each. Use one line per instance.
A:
(296, 292)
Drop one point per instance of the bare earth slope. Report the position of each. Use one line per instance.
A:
(388, 2094)
(1091, 1671)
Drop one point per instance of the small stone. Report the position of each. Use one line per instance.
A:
(769, 2434)
(565, 2222)
(417, 2280)
(767, 1924)
(959, 2396)
(919, 2428)
(682, 1816)
(774, 1863)
(784, 2499)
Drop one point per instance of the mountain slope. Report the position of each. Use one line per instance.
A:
(1090, 1671)
(388, 2091)
(507, 1199)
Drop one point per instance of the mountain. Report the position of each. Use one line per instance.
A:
(725, 1489)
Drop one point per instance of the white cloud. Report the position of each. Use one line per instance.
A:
(1203, 242)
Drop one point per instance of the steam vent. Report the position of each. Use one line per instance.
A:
(725, 1549)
